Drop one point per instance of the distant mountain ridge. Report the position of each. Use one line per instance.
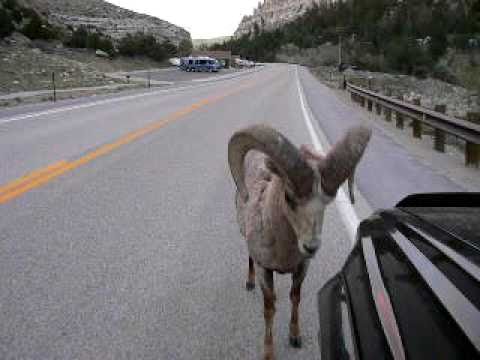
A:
(197, 43)
(110, 19)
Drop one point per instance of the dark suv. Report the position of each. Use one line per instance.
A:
(410, 289)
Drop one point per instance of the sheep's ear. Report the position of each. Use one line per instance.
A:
(341, 162)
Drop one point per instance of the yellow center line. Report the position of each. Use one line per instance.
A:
(14, 185)
(44, 175)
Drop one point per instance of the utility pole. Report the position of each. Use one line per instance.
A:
(340, 31)
(340, 50)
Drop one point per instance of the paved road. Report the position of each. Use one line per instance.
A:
(133, 251)
(176, 75)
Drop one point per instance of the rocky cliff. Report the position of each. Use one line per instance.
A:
(110, 19)
(273, 13)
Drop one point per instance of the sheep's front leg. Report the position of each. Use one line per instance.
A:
(251, 275)
(297, 279)
(266, 278)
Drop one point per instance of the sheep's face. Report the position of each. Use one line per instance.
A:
(306, 218)
(306, 215)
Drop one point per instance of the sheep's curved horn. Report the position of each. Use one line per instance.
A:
(341, 162)
(282, 152)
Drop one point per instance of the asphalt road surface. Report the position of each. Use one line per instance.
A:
(125, 244)
(176, 75)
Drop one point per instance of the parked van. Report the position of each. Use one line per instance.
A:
(200, 64)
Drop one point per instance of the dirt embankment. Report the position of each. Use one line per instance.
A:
(28, 65)
(431, 92)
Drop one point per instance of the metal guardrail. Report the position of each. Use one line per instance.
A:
(442, 123)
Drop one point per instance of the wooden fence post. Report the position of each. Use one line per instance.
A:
(416, 124)
(54, 98)
(440, 135)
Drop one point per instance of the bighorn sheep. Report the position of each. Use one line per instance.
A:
(282, 193)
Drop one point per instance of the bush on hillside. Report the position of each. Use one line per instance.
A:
(78, 39)
(83, 39)
(6, 23)
(185, 47)
(141, 44)
(37, 28)
(13, 15)
(170, 49)
(442, 72)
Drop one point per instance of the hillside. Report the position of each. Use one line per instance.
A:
(107, 18)
(79, 41)
(403, 36)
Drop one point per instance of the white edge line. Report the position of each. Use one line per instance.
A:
(107, 101)
(83, 106)
(347, 212)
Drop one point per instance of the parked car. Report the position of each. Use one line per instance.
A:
(174, 61)
(410, 288)
(242, 63)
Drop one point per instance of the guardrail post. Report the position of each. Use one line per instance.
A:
(399, 116)
(472, 154)
(472, 151)
(416, 124)
(473, 117)
(440, 135)
(362, 101)
(378, 107)
(388, 111)
(370, 105)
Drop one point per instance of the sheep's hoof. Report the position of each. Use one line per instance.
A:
(296, 341)
(250, 286)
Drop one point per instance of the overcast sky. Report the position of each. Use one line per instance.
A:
(203, 19)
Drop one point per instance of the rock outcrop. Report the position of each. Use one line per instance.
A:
(271, 14)
(110, 19)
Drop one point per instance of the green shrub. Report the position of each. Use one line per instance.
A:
(6, 23)
(442, 72)
(403, 54)
(78, 38)
(185, 47)
(37, 28)
(141, 44)
(169, 48)
(106, 44)
(83, 39)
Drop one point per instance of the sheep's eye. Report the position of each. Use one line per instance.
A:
(290, 201)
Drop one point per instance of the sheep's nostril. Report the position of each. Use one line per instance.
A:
(310, 250)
